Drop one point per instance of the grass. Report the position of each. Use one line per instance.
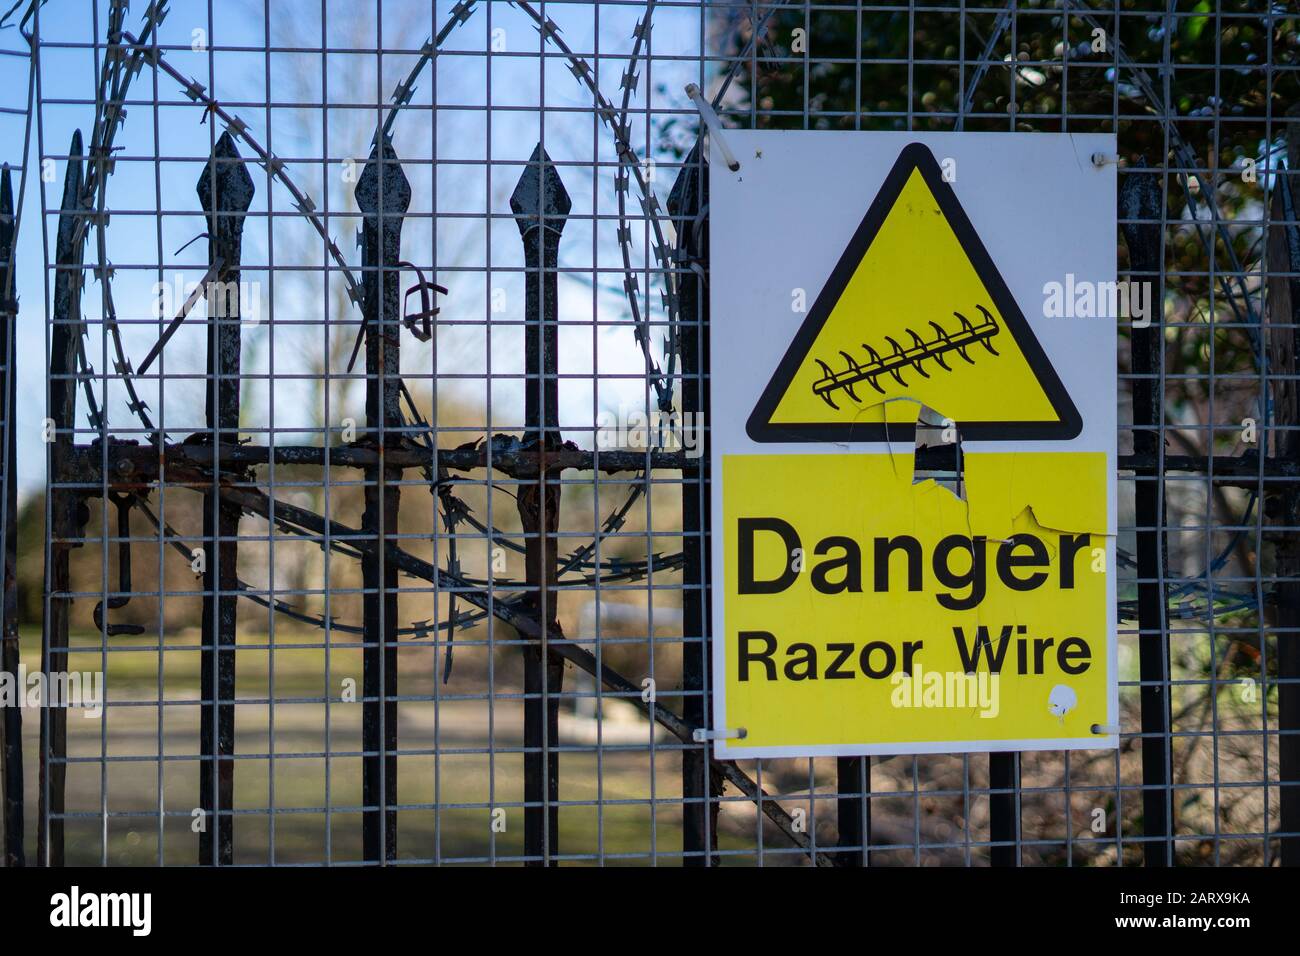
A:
(623, 802)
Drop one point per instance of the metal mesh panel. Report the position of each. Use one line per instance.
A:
(15, 121)
(392, 550)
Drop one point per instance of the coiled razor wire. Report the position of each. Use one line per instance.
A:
(126, 56)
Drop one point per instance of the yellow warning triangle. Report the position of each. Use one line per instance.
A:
(915, 313)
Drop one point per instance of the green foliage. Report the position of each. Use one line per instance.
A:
(1059, 69)
(921, 70)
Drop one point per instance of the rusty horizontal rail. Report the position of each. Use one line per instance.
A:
(131, 465)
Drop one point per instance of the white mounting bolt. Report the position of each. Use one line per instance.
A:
(700, 735)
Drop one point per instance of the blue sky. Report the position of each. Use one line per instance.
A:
(531, 98)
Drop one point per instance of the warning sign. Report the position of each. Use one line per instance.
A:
(914, 312)
(908, 615)
(862, 607)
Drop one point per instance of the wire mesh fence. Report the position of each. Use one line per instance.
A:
(394, 549)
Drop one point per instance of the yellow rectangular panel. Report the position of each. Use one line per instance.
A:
(864, 613)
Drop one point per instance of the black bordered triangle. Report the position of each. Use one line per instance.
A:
(914, 157)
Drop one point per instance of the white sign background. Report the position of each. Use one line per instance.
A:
(781, 222)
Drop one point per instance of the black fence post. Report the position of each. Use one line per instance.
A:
(688, 204)
(1284, 342)
(67, 510)
(853, 809)
(225, 191)
(1004, 808)
(1141, 204)
(541, 206)
(11, 721)
(383, 195)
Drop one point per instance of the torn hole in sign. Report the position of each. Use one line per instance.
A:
(936, 430)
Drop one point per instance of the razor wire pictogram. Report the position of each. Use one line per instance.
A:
(903, 357)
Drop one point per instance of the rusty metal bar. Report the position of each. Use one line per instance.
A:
(541, 205)
(383, 195)
(1140, 198)
(134, 464)
(66, 510)
(225, 191)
